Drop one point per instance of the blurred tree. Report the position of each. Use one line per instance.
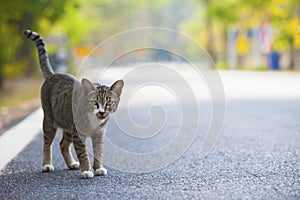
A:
(15, 17)
(208, 23)
(91, 21)
(220, 15)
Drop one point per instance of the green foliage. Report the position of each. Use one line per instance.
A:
(83, 21)
(91, 21)
(217, 16)
(74, 24)
(15, 17)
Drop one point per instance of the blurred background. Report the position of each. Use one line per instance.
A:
(237, 34)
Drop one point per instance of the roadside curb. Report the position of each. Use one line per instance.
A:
(16, 138)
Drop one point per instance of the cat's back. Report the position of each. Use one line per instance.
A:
(56, 96)
(63, 80)
(56, 86)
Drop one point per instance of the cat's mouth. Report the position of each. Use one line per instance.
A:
(101, 117)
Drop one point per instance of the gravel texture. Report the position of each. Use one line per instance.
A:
(257, 157)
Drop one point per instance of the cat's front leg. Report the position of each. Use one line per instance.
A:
(97, 141)
(80, 148)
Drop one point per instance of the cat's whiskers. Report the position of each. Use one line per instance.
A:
(96, 111)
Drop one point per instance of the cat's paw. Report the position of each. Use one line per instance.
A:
(74, 166)
(86, 174)
(100, 171)
(47, 168)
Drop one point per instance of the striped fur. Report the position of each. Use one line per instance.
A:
(80, 112)
(43, 56)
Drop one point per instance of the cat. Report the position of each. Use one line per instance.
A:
(80, 108)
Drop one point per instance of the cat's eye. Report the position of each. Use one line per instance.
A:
(94, 103)
(109, 103)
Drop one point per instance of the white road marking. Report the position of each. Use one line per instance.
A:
(13, 141)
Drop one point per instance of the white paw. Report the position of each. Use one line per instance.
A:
(86, 174)
(100, 171)
(47, 168)
(74, 166)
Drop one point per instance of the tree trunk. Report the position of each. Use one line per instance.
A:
(210, 43)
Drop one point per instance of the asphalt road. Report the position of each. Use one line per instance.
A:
(256, 157)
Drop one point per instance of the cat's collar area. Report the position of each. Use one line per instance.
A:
(103, 121)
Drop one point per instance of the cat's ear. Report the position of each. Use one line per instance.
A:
(117, 87)
(87, 85)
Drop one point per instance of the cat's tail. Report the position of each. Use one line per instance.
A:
(43, 56)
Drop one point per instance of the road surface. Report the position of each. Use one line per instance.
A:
(257, 156)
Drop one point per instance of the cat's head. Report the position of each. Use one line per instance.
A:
(102, 100)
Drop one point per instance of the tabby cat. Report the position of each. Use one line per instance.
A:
(81, 109)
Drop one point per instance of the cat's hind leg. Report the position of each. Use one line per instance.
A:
(65, 148)
(49, 134)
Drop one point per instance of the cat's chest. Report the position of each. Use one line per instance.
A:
(102, 121)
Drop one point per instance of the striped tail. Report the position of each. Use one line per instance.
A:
(43, 56)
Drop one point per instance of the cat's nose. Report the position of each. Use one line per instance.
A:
(101, 113)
